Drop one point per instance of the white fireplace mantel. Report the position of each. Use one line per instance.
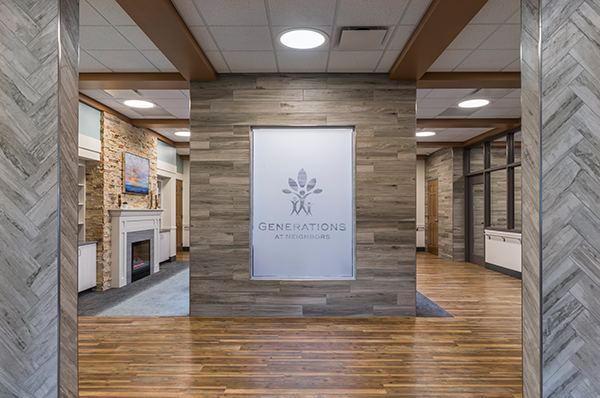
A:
(123, 222)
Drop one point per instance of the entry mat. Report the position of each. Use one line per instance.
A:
(166, 293)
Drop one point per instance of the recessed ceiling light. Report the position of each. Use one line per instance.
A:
(303, 39)
(425, 133)
(475, 103)
(182, 133)
(139, 104)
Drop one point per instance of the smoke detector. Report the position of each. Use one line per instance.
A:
(362, 38)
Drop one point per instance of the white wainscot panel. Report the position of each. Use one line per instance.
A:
(503, 249)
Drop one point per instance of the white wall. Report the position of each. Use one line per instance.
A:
(420, 183)
(168, 195)
(186, 203)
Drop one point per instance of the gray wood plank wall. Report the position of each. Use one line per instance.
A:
(383, 112)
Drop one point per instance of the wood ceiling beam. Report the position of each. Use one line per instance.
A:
(161, 123)
(472, 80)
(442, 22)
(467, 123)
(132, 81)
(482, 137)
(440, 144)
(161, 22)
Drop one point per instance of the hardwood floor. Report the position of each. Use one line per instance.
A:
(475, 354)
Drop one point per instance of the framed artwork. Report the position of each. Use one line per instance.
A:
(136, 174)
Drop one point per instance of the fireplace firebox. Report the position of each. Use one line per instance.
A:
(140, 260)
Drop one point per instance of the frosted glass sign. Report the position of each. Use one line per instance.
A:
(302, 218)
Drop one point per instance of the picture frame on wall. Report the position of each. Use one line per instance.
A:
(136, 174)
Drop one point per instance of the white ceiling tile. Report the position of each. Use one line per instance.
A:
(472, 36)
(515, 19)
(243, 38)
(180, 113)
(203, 38)
(454, 93)
(112, 12)
(102, 38)
(188, 12)
(217, 61)
(185, 92)
(169, 104)
(95, 94)
(513, 113)
(124, 61)
(436, 102)
(422, 93)
(488, 113)
(159, 61)
(428, 113)
(449, 60)
(387, 61)
(250, 61)
(516, 93)
(488, 60)
(123, 94)
(304, 61)
(166, 94)
(507, 37)
(353, 61)
(302, 13)
(88, 16)
(137, 37)
(232, 12)
(400, 38)
(497, 11)
(415, 12)
(515, 66)
(370, 13)
(507, 103)
(89, 64)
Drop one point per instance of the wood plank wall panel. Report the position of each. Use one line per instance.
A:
(561, 187)
(38, 212)
(222, 113)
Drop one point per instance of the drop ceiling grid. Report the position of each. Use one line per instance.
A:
(110, 41)
(241, 37)
(489, 43)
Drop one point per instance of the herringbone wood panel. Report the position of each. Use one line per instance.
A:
(31, 88)
(477, 354)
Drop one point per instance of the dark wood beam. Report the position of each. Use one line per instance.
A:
(421, 157)
(442, 22)
(467, 123)
(488, 135)
(161, 123)
(132, 81)
(185, 157)
(441, 144)
(472, 80)
(161, 22)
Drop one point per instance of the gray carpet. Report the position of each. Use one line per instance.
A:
(167, 294)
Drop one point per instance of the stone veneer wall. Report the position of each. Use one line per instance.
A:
(561, 193)
(222, 113)
(446, 165)
(104, 184)
(38, 198)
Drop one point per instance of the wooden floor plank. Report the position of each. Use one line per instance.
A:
(475, 354)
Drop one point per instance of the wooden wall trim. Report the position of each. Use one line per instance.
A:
(132, 81)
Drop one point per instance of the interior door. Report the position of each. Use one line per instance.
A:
(179, 214)
(433, 221)
(476, 220)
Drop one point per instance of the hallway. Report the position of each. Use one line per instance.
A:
(475, 354)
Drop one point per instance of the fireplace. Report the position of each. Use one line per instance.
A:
(140, 259)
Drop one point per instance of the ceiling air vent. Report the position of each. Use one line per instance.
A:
(362, 38)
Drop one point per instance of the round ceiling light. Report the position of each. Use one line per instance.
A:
(182, 133)
(303, 39)
(474, 103)
(425, 133)
(139, 104)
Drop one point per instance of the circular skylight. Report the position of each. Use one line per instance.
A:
(182, 133)
(303, 39)
(474, 103)
(425, 133)
(139, 104)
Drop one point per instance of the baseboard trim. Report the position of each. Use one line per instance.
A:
(186, 248)
(420, 249)
(502, 270)
(172, 258)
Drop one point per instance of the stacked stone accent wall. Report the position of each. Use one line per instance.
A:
(104, 185)
(222, 113)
